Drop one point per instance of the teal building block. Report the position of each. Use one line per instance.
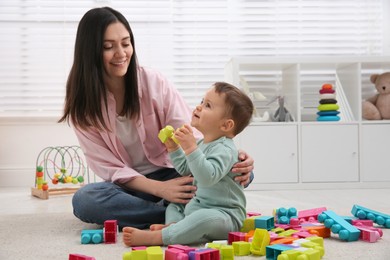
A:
(377, 217)
(265, 222)
(92, 236)
(273, 251)
(339, 226)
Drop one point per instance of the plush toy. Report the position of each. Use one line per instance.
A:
(377, 107)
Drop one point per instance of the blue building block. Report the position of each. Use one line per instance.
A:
(92, 236)
(273, 251)
(339, 226)
(377, 217)
(265, 222)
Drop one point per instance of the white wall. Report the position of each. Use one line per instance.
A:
(21, 141)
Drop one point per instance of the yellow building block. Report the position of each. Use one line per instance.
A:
(154, 253)
(241, 248)
(260, 241)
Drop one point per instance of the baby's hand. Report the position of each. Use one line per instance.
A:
(186, 138)
(171, 145)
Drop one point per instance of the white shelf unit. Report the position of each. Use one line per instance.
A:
(306, 153)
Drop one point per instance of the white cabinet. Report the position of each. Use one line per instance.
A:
(306, 152)
(375, 147)
(330, 153)
(275, 151)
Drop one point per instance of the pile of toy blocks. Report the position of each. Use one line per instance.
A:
(286, 235)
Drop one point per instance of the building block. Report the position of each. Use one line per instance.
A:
(226, 252)
(295, 223)
(261, 239)
(368, 235)
(302, 234)
(283, 215)
(273, 251)
(273, 236)
(110, 231)
(183, 248)
(310, 215)
(80, 257)
(284, 240)
(316, 243)
(288, 233)
(134, 248)
(166, 133)
(278, 230)
(379, 230)
(204, 254)
(248, 224)
(249, 235)
(265, 222)
(252, 214)
(320, 231)
(339, 226)
(377, 217)
(126, 256)
(92, 236)
(139, 255)
(235, 236)
(317, 240)
(364, 222)
(213, 245)
(310, 254)
(175, 254)
(154, 253)
(315, 246)
(241, 248)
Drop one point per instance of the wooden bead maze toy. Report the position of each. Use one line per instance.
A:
(63, 166)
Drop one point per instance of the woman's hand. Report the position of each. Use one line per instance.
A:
(244, 168)
(177, 190)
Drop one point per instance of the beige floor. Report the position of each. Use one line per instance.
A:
(19, 201)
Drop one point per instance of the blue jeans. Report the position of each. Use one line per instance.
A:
(101, 201)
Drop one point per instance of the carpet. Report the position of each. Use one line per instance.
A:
(56, 235)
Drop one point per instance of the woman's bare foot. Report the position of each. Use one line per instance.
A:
(155, 227)
(137, 237)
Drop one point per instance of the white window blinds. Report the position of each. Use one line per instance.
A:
(190, 41)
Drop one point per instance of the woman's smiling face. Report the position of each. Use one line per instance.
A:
(117, 50)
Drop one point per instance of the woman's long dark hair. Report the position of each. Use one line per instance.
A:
(85, 89)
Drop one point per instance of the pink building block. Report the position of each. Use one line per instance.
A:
(235, 236)
(175, 254)
(310, 214)
(184, 249)
(135, 248)
(80, 257)
(252, 214)
(368, 235)
(364, 222)
(302, 234)
(204, 254)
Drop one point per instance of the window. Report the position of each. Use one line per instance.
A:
(190, 41)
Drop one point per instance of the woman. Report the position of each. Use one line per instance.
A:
(117, 108)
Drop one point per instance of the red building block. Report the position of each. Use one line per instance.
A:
(80, 257)
(110, 231)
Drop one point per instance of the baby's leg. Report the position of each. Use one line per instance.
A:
(137, 237)
(201, 226)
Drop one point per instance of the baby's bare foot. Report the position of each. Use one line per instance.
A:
(137, 237)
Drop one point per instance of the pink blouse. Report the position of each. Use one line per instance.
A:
(161, 105)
